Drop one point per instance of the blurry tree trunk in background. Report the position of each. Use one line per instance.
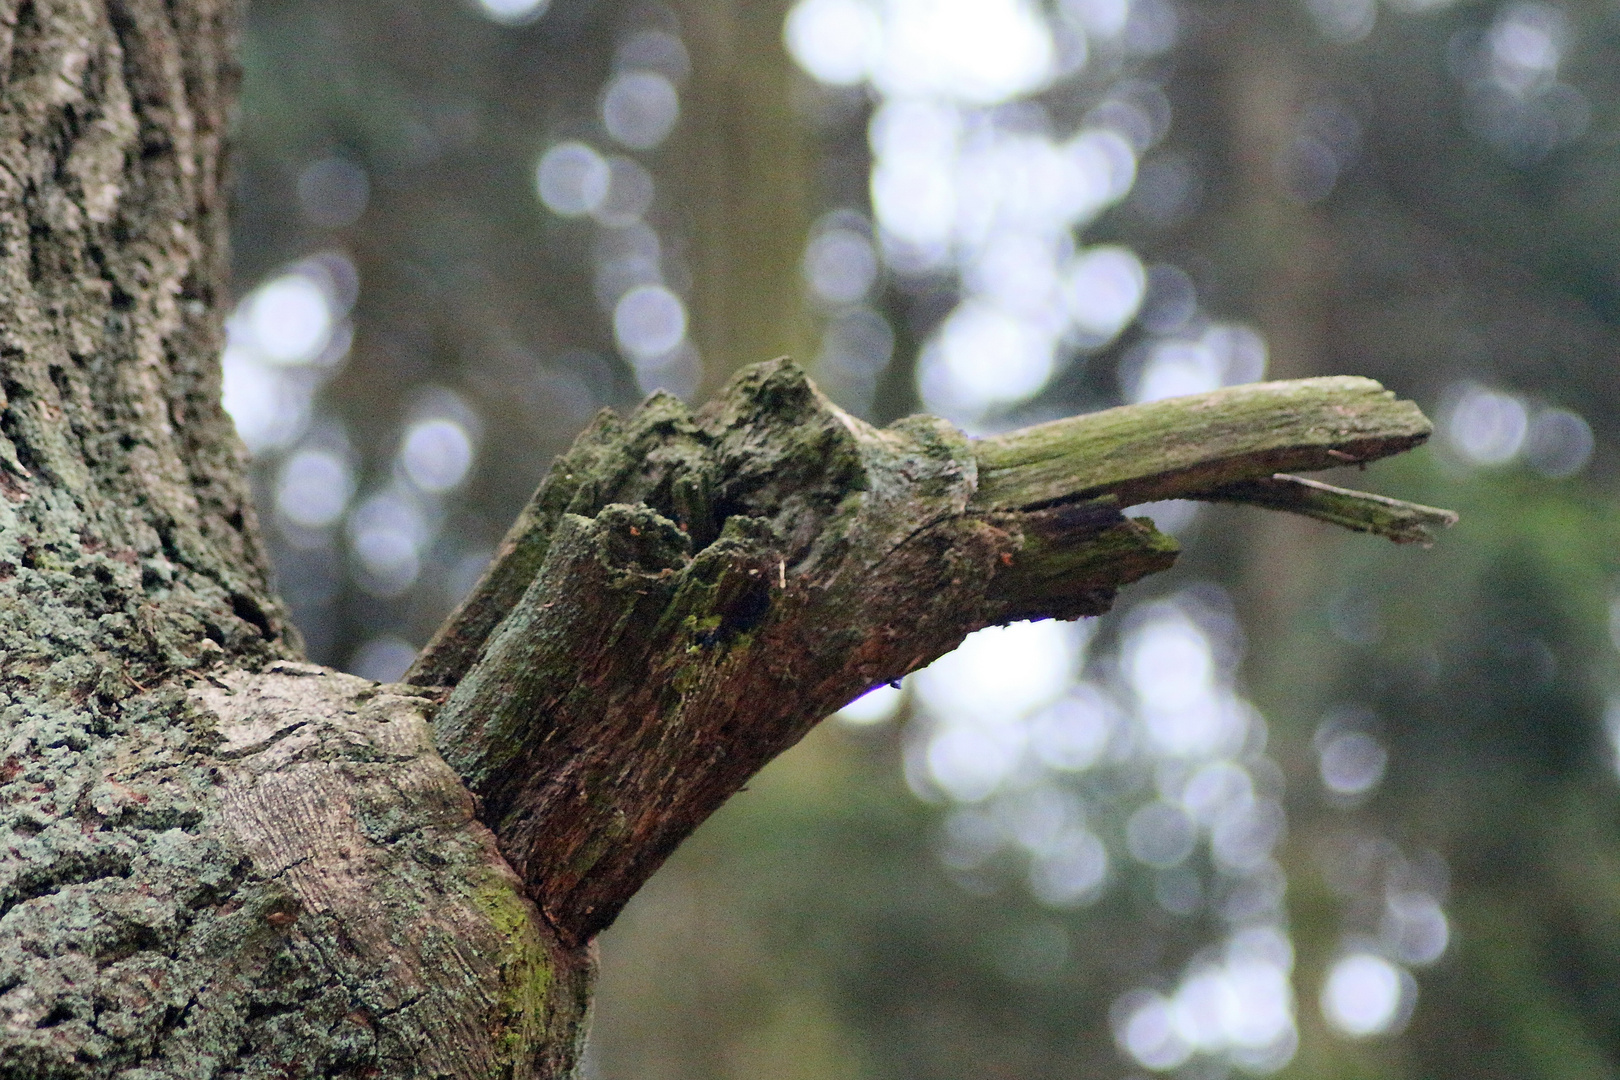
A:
(743, 169)
(1423, 255)
(1283, 264)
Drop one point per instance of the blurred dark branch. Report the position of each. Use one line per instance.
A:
(689, 593)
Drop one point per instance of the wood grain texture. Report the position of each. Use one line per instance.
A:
(429, 960)
(688, 593)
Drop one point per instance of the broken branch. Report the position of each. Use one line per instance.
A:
(689, 593)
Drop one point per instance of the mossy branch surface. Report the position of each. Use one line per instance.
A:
(220, 862)
(1182, 447)
(689, 593)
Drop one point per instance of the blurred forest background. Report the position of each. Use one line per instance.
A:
(1309, 805)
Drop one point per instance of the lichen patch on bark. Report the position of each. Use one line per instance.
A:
(398, 895)
(207, 868)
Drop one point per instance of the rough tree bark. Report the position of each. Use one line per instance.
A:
(219, 861)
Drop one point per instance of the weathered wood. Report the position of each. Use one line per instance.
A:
(702, 588)
(1198, 447)
(209, 865)
(636, 459)
(695, 616)
(1180, 446)
(1398, 520)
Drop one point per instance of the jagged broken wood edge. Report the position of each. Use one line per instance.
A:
(711, 585)
(1230, 445)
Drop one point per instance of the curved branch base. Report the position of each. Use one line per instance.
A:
(716, 584)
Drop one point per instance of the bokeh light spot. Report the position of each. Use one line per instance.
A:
(313, 488)
(1245, 834)
(840, 266)
(1001, 673)
(436, 454)
(290, 319)
(1416, 927)
(873, 707)
(1487, 427)
(1149, 1034)
(572, 179)
(653, 50)
(1216, 790)
(629, 193)
(855, 349)
(387, 533)
(1102, 291)
(268, 410)
(983, 358)
(1073, 732)
(1160, 835)
(1351, 763)
(333, 192)
(1343, 21)
(1309, 170)
(978, 51)
(1558, 444)
(382, 659)
(649, 321)
(836, 41)
(1071, 872)
(513, 12)
(639, 108)
(1168, 663)
(1362, 995)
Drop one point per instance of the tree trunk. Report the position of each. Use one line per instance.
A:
(216, 861)
(219, 861)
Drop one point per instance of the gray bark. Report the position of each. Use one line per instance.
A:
(218, 861)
